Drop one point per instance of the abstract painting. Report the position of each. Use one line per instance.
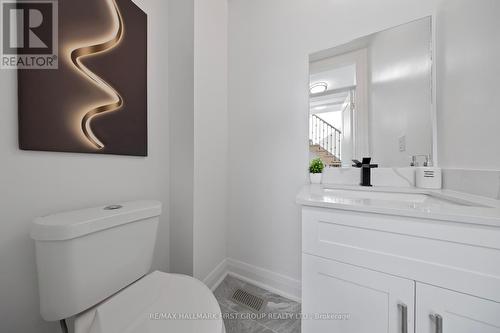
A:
(96, 99)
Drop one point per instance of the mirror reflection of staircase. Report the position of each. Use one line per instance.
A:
(324, 141)
(326, 157)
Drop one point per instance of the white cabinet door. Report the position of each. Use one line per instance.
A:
(354, 300)
(444, 311)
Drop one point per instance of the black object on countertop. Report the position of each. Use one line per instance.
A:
(365, 167)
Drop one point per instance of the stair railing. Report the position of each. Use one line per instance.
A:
(325, 135)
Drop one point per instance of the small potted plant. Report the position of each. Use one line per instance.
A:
(315, 170)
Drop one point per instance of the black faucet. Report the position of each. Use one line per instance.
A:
(365, 167)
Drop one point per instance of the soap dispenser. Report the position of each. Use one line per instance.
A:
(427, 176)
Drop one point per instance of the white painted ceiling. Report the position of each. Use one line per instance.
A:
(337, 78)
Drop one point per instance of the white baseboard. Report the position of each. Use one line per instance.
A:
(261, 277)
(215, 277)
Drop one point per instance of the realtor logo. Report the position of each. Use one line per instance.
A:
(29, 34)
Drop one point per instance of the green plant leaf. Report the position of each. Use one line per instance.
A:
(316, 166)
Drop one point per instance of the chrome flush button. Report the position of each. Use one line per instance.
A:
(113, 207)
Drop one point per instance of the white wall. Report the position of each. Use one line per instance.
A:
(269, 44)
(181, 108)
(211, 135)
(468, 68)
(199, 134)
(39, 183)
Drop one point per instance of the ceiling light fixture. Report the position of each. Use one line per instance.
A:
(318, 88)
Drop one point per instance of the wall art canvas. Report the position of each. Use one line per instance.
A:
(95, 101)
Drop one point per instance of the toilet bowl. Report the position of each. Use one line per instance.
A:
(94, 264)
(159, 302)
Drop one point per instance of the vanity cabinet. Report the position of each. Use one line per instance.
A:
(355, 300)
(398, 274)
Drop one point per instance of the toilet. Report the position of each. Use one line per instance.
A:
(94, 266)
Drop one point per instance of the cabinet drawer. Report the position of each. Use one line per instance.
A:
(453, 255)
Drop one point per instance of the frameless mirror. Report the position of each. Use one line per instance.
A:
(373, 97)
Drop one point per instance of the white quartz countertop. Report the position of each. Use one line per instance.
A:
(439, 204)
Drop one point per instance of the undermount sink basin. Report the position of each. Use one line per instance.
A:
(399, 197)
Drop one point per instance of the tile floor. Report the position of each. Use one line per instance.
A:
(280, 315)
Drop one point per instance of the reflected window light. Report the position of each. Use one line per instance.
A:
(402, 71)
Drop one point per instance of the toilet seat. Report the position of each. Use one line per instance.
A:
(158, 302)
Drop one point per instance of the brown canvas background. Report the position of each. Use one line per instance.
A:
(52, 102)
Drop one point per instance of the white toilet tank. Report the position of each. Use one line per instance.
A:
(85, 256)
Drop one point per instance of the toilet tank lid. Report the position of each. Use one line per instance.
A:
(73, 224)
